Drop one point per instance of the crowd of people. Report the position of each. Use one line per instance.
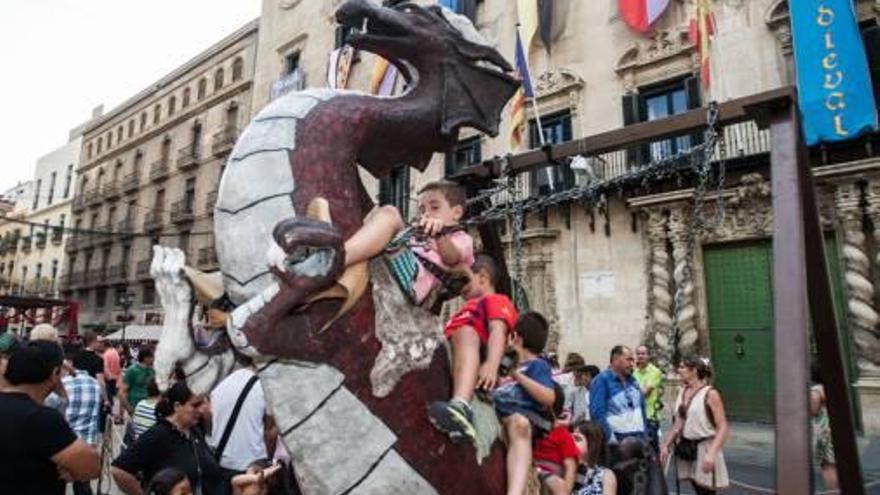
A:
(571, 429)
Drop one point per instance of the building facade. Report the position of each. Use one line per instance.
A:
(612, 270)
(14, 207)
(149, 174)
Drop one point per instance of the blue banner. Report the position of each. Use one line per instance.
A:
(834, 85)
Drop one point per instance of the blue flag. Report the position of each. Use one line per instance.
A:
(522, 68)
(834, 85)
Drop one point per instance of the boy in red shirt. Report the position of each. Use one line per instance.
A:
(556, 454)
(482, 323)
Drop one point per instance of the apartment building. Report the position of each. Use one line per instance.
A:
(149, 173)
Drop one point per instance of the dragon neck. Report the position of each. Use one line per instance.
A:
(406, 126)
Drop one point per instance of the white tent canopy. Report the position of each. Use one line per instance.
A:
(137, 332)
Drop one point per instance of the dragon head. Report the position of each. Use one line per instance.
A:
(432, 44)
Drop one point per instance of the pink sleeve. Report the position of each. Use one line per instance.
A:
(465, 244)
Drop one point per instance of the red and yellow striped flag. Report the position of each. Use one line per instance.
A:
(702, 28)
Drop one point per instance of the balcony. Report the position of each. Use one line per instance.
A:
(207, 258)
(74, 280)
(40, 240)
(210, 202)
(38, 287)
(159, 170)
(108, 238)
(57, 236)
(182, 212)
(96, 277)
(110, 191)
(125, 228)
(79, 204)
(93, 197)
(73, 243)
(118, 274)
(153, 220)
(143, 269)
(26, 243)
(224, 140)
(188, 157)
(131, 182)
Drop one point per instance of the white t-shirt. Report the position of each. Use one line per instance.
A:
(246, 443)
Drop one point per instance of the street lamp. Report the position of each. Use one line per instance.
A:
(126, 299)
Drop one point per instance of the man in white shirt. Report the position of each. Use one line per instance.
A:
(245, 442)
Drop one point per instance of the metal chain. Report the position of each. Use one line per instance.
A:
(697, 223)
(515, 218)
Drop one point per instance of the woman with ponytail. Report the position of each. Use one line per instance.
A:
(173, 442)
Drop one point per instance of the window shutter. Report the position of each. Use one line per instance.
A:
(630, 109)
(692, 90)
(871, 36)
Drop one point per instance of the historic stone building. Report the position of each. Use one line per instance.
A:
(13, 210)
(613, 271)
(149, 174)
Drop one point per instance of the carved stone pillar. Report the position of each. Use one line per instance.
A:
(659, 329)
(683, 275)
(862, 315)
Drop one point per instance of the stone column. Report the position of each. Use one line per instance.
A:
(863, 317)
(861, 313)
(659, 329)
(683, 275)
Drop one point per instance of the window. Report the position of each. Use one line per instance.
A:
(189, 197)
(138, 161)
(202, 89)
(37, 193)
(172, 105)
(149, 294)
(166, 149)
(218, 79)
(54, 273)
(185, 100)
(160, 201)
(52, 178)
(109, 139)
(237, 69)
(157, 113)
(557, 129)
(657, 102)
(394, 190)
(143, 121)
(466, 152)
(119, 134)
(183, 242)
(232, 116)
(100, 145)
(101, 298)
(89, 151)
(117, 172)
(111, 217)
(68, 179)
(38, 271)
(291, 62)
(196, 138)
(130, 128)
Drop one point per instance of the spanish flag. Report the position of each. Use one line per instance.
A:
(702, 28)
(522, 95)
(527, 12)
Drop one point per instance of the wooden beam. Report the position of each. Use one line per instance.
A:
(730, 112)
(793, 466)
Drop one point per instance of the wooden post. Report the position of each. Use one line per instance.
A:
(799, 264)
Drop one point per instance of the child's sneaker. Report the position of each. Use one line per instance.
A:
(453, 418)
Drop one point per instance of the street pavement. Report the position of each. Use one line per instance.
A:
(750, 457)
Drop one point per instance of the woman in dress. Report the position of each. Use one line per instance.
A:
(700, 429)
(592, 477)
(823, 450)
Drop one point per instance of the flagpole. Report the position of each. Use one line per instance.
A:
(535, 106)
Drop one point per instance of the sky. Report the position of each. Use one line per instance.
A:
(62, 58)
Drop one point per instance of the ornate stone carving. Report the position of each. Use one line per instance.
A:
(686, 317)
(659, 328)
(748, 211)
(557, 81)
(540, 283)
(867, 337)
(776, 19)
(665, 54)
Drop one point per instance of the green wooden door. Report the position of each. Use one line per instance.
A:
(740, 303)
